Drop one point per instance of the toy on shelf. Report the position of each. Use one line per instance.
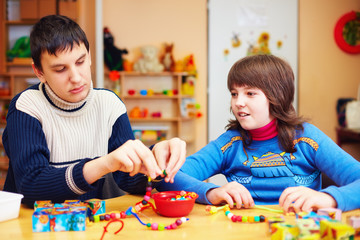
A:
(189, 65)
(190, 109)
(113, 56)
(167, 58)
(150, 133)
(21, 49)
(149, 62)
(188, 86)
(136, 112)
(114, 76)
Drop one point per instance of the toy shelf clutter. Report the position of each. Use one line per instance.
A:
(159, 100)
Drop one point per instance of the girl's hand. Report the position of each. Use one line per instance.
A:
(305, 199)
(231, 193)
(170, 156)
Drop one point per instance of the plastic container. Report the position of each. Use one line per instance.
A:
(172, 208)
(9, 205)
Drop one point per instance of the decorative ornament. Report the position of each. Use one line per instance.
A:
(347, 32)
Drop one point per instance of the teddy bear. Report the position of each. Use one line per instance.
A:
(149, 62)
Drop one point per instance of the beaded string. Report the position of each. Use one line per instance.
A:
(233, 217)
(140, 206)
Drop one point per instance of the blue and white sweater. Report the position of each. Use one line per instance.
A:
(49, 140)
(265, 170)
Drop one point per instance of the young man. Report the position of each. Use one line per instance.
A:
(62, 136)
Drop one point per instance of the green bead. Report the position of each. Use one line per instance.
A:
(161, 227)
(227, 212)
(244, 219)
(256, 219)
(148, 224)
(96, 218)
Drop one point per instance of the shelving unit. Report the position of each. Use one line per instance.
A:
(159, 93)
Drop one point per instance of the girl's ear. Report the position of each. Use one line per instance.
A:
(38, 73)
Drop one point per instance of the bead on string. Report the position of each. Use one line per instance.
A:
(140, 206)
(233, 217)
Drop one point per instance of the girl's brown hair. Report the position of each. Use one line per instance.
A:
(275, 78)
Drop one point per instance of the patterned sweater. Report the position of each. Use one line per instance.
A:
(265, 170)
(49, 140)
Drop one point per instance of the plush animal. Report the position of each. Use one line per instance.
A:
(149, 62)
(20, 49)
(167, 58)
(113, 56)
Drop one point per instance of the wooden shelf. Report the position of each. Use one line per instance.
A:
(22, 22)
(171, 107)
(174, 119)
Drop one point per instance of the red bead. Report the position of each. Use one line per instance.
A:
(238, 218)
(178, 222)
(122, 214)
(174, 226)
(234, 218)
(112, 215)
(148, 193)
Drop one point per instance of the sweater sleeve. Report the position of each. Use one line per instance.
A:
(198, 167)
(121, 133)
(29, 170)
(343, 169)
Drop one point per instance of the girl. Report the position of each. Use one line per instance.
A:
(268, 154)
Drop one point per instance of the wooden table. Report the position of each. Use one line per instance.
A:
(200, 226)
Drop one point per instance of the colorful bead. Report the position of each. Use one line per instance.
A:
(161, 227)
(139, 207)
(154, 226)
(178, 222)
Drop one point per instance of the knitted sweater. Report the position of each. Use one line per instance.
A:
(265, 170)
(49, 140)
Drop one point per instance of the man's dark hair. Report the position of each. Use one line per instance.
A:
(55, 33)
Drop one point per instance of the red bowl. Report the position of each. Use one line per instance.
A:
(173, 208)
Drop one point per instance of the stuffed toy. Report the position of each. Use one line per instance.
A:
(113, 56)
(149, 62)
(20, 49)
(167, 58)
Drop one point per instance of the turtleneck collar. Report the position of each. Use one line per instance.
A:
(62, 104)
(264, 133)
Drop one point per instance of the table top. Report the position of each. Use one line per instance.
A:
(201, 225)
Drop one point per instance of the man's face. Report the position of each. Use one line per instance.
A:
(68, 73)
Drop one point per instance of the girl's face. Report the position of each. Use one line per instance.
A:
(250, 107)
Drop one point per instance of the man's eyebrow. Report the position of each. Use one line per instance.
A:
(61, 64)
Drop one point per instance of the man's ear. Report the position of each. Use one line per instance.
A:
(38, 73)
